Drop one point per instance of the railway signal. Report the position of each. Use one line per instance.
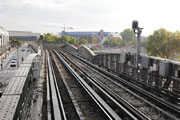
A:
(137, 30)
(41, 37)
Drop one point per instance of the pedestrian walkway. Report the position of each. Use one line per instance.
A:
(7, 71)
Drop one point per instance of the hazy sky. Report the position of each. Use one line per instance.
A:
(89, 15)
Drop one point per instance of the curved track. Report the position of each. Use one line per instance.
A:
(79, 100)
(150, 110)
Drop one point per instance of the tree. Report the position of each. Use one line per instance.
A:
(143, 43)
(48, 38)
(114, 43)
(57, 39)
(128, 36)
(68, 40)
(83, 41)
(163, 43)
(15, 42)
(65, 39)
(73, 41)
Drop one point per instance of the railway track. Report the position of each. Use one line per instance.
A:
(57, 109)
(72, 98)
(144, 106)
(123, 112)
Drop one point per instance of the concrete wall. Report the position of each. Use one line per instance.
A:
(70, 48)
(86, 53)
(83, 51)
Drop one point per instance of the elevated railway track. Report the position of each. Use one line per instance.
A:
(170, 109)
(76, 88)
(79, 100)
(124, 98)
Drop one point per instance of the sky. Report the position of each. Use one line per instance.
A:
(89, 15)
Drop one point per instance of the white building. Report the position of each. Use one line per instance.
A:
(4, 37)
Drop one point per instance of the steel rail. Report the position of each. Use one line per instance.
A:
(171, 107)
(108, 111)
(48, 98)
(58, 109)
(127, 108)
(34, 48)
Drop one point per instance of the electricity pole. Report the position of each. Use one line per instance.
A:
(41, 39)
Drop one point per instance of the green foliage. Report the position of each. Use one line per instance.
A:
(114, 43)
(68, 40)
(163, 43)
(88, 38)
(49, 38)
(83, 41)
(57, 39)
(128, 36)
(16, 42)
(143, 43)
